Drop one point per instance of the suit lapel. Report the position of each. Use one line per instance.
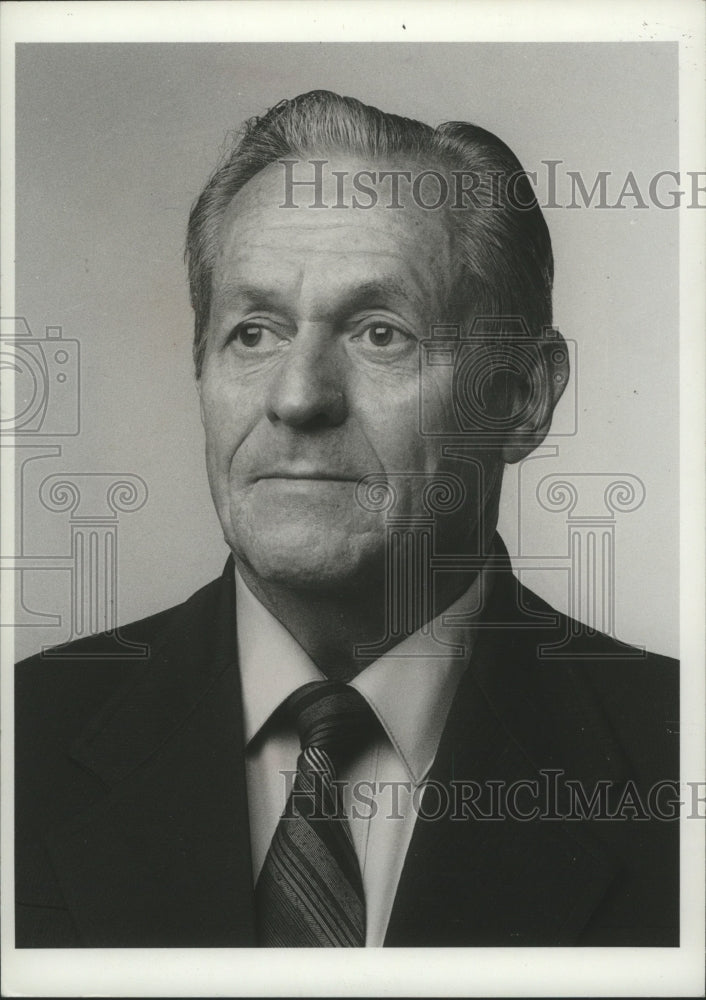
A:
(163, 858)
(485, 882)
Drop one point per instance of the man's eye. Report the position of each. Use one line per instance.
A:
(256, 337)
(249, 335)
(384, 335)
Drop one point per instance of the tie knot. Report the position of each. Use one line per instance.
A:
(330, 715)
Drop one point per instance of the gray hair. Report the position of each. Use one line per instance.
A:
(505, 245)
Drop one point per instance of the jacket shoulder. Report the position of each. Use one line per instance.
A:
(636, 691)
(564, 638)
(60, 685)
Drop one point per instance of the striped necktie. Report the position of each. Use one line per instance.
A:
(310, 892)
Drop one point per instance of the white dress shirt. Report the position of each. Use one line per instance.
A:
(410, 689)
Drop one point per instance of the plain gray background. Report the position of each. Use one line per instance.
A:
(115, 141)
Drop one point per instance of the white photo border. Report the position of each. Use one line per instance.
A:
(382, 972)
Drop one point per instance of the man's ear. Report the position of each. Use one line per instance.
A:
(532, 396)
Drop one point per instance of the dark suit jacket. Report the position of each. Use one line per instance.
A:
(131, 807)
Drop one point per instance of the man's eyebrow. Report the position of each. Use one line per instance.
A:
(252, 296)
(372, 293)
(344, 300)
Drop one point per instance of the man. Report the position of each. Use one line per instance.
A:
(367, 732)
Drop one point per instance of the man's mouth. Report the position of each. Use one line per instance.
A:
(309, 474)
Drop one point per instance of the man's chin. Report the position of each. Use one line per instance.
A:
(314, 564)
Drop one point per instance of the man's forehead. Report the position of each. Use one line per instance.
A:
(261, 220)
(343, 190)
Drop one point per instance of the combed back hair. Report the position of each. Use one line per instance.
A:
(502, 238)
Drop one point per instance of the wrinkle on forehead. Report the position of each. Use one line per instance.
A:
(342, 296)
(395, 274)
(266, 191)
(258, 218)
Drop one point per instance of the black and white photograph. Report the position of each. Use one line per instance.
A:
(352, 451)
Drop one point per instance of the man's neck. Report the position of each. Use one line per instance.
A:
(330, 625)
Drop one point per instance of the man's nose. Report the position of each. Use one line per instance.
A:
(307, 388)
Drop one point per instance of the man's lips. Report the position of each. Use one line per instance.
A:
(313, 475)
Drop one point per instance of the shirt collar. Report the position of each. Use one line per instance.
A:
(410, 688)
(272, 663)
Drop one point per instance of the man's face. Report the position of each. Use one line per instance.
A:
(310, 381)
